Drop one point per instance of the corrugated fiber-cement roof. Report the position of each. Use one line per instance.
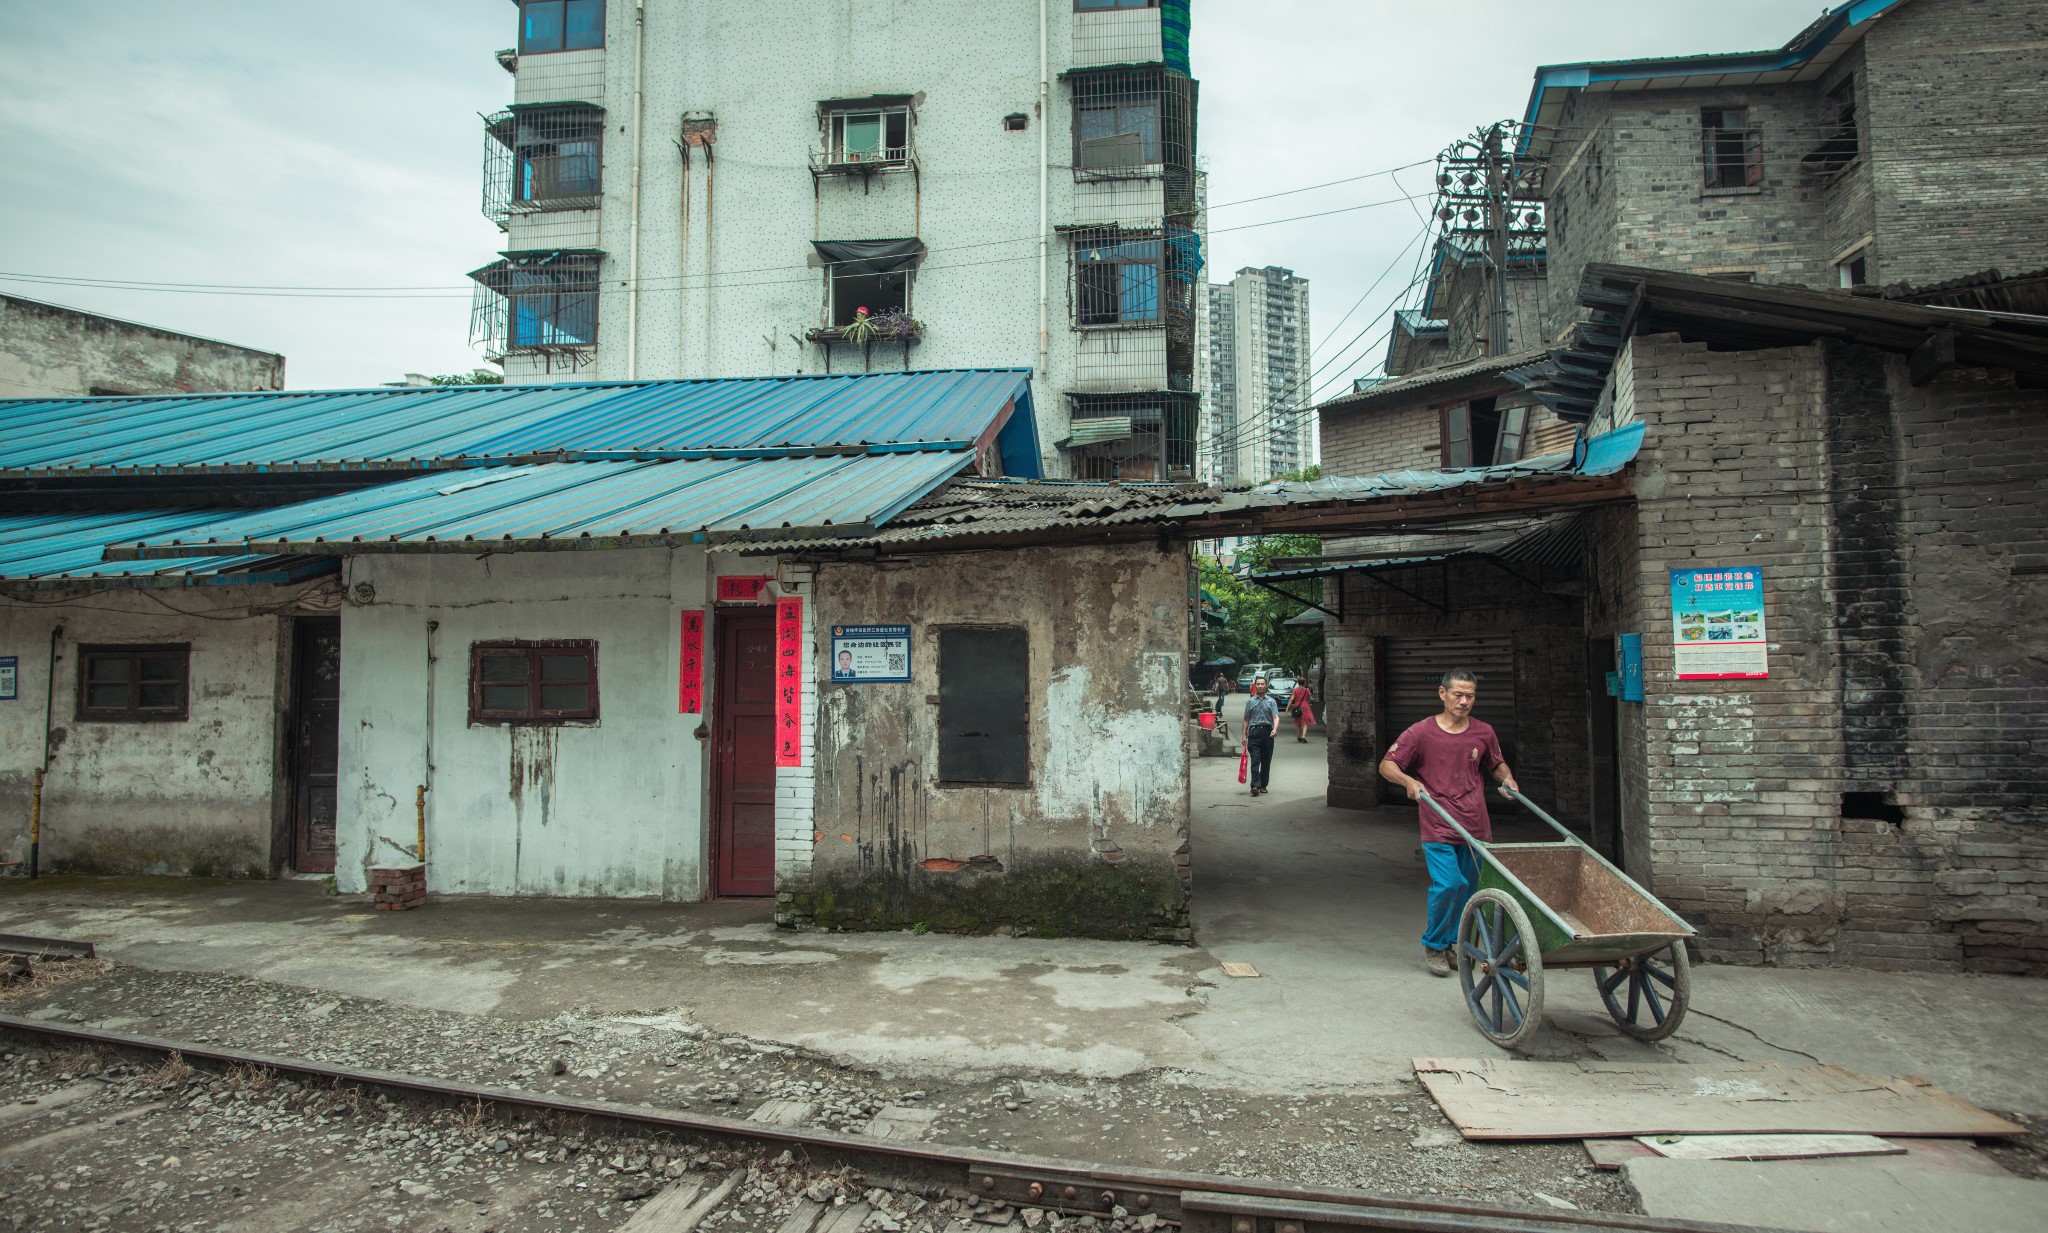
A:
(443, 426)
(65, 550)
(577, 505)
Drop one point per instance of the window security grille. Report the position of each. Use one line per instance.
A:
(537, 304)
(560, 25)
(1116, 279)
(868, 137)
(549, 158)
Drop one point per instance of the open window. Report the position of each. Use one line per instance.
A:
(1473, 433)
(864, 134)
(875, 275)
(1732, 151)
(1116, 279)
(1842, 144)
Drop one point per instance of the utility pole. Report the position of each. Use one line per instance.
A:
(1497, 188)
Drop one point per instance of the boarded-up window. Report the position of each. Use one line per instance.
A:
(984, 706)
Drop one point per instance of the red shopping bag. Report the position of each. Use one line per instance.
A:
(1244, 763)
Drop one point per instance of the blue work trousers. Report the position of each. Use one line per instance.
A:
(1453, 876)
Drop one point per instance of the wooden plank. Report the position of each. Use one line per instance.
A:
(804, 1218)
(1608, 1155)
(901, 1122)
(846, 1219)
(782, 1113)
(1766, 1147)
(683, 1206)
(1494, 1098)
(1239, 969)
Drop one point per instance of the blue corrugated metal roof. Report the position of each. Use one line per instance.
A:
(65, 549)
(438, 427)
(576, 505)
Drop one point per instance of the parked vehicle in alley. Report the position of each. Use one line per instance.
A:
(1252, 672)
(1282, 689)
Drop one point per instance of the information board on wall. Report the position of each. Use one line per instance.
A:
(10, 677)
(690, 686)
(870, 654)
(1717, 624)
(789, 681)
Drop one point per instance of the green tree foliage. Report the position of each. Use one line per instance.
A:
(481, 376)
(1256, 629)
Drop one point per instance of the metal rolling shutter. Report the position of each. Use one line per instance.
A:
(1410, 671)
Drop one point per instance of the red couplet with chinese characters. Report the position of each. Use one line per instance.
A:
(789, 681)
(690, 688)
(737, 590)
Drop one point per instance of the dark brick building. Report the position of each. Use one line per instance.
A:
(1881, 796)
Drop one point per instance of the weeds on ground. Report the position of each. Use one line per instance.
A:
(80, 1060)
(51, 974)
(251, 1080)
(173, 1074)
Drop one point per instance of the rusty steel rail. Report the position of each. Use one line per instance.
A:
(1197, 1202)
(45, 948)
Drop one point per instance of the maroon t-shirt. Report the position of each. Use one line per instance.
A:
(1453, 766)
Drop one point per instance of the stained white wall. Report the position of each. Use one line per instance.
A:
(191, 795)
(728, 282)
(613, 808)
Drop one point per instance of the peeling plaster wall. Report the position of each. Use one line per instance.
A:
(1098, 843)
(191, 796)
(47, 351)
(614, 808)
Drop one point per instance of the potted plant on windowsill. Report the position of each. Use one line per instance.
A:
(893, 325)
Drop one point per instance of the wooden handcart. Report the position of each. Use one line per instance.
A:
(1546, 906)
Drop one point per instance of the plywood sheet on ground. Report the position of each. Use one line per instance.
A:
(1495, 1098)
(1767, 1147)
(1872, 1195)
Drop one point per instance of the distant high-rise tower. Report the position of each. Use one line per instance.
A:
(1258, 376)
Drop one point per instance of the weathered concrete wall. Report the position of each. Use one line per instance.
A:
(1549, 716)
(54, 352)
(1897, 529)
(1098, 843)
(612, 808)
(181, 796)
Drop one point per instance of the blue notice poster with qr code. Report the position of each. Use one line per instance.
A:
(870, 654)
(1717, 624)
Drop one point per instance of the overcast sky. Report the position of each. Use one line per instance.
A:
(337, 146)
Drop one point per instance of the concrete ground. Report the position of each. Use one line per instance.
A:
(1326, 904)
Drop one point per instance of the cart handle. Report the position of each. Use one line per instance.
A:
(1424, 796)
(1530, 899)
(1532, 807)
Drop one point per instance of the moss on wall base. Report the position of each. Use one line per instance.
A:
(1050, 897)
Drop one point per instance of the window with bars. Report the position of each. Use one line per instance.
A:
(537, 302)
(134, 684)
(1732, 150)
(533, 682)
(1089, 6)
(543, 158)
(1116, 279)
(560, 25)
(1117, 121)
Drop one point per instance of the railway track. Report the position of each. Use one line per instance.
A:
(1195, 1203)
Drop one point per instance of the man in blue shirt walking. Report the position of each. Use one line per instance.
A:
(1261, 720)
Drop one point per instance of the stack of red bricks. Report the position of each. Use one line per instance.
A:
(396, 890)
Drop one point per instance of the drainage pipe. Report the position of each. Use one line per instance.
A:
(420, 801)
(1044, 206)
(633, 230)
(35, 816)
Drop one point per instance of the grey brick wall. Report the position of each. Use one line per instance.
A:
(1381, 440)
(1897, 529)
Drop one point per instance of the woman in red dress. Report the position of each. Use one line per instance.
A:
(1302, 706)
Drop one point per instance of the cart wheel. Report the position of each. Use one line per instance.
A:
(1500, 968)
(1646, 996)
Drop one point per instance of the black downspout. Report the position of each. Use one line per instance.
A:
(35, 829)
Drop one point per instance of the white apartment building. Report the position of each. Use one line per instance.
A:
(737, 188)
(1257, 390)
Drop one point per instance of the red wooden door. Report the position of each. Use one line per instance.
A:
(743, 856)
(316, 741)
